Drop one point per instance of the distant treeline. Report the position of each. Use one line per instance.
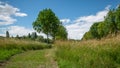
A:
(33, 36)
(110, 26)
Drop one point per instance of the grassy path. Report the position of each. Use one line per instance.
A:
(33, 59)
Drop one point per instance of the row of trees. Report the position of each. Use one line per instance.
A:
(32, 36)
(48, 23)
(110, 26)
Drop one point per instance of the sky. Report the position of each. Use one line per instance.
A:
(77, 16)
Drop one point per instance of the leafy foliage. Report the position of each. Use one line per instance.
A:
(47, 22)
(111, 25)
(62, 33)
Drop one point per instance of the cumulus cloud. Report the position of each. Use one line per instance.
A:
(83, 24)
(65, 20)
(6, 13)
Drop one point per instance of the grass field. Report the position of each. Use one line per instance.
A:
(33, 59)
(10, 47)
(104, 53)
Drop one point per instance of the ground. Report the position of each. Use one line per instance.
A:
(33, 59)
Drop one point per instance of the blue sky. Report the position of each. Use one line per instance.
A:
(76, 15)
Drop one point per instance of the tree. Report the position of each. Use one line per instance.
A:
(7, 34)
(17, 36)
(110, 20)
(102, 29)
(62, 33)
(34, 35)
(87, 36)
(111, 25)
(94, 30)
(117, 17)
(29, 36)
(47, 22)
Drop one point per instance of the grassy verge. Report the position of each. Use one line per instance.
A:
(28, 59)
(33, 59)
(103, 53)
(10, 47)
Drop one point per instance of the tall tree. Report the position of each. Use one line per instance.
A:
(7, 34)
(47, 22)
(117, 17)
(29, 36)
(94, 30)
(62, 33)
(110, 19)
(34, 35)
(111, 25)
(102, 29)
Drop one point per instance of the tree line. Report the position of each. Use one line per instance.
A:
(110, 26)
(32, 36)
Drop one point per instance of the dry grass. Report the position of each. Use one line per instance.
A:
(104, 53)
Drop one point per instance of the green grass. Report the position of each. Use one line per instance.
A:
(10, 47)
(103, 53)
(33, 59)
(29, 59)
(5, 54)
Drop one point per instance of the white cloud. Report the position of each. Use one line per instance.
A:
(6, 13)
(65, 20)
(6, 20)
(83, 24)
(21, 31)
(20, 14)
(18, 30)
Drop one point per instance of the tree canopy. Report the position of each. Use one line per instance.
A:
(111, 25)
(48, 23)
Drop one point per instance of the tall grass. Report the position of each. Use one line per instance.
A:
(10, 47)
(103, 53)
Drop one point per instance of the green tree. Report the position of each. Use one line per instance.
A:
(117, 17)
(17, 36)
(87, 36)
(33, 35)
(62, 33)
(29, 36)
(47, 22)
(7, 34)
(111, 25)
(103, 30)
(94, 30)
(110, 20)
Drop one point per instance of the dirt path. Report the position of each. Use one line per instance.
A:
(33, 59)
(50, 59)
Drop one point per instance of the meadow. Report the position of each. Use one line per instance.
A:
(10, 47)
(104, 53)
